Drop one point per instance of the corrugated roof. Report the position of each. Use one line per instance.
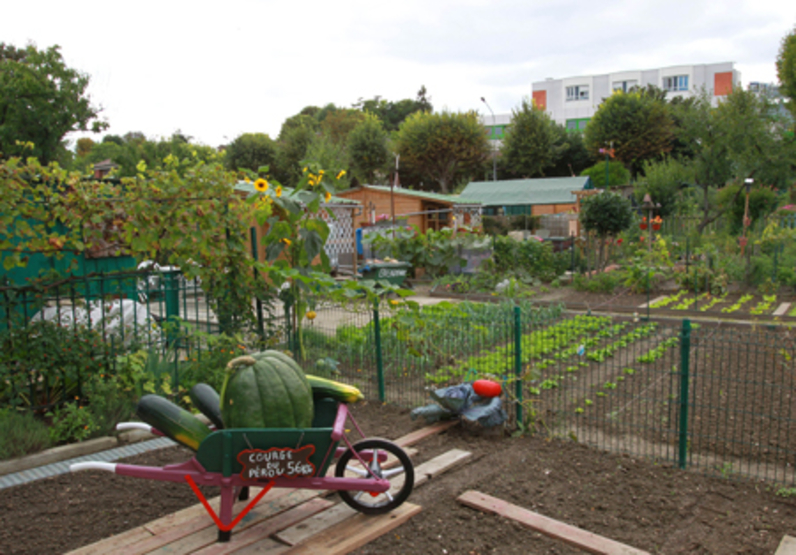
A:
(452, 199)
(547, 190)
(248, 188)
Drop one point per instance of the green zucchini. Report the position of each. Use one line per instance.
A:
(206, 399)
(322, 387)
(175, 422)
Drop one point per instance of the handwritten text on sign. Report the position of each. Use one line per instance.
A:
(276, 463)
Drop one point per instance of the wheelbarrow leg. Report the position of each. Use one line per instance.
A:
(227, 500)
(244, 493)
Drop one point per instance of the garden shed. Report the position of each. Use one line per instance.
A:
(419, 208)
(531, 197)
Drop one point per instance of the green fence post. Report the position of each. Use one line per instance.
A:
(379, 362)
(518, 361)
(685, 354)
(258, 301)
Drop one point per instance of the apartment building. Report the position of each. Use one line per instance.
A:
(572, 101)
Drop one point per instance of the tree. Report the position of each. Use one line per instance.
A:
(638, 125)
(367, 150)
(574, 156)
(531, 145)
(392, 114)
(41, 100)
(250, 151)
(84, 146)
(786, 69)
(331, 156)
(738, 139)
(605, 214)
(338, 124)
(443, 147)
(663, 180)
(617, 175)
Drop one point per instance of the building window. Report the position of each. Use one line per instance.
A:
(625, 86)
(578, 92)
(577, 124)
(675, 83)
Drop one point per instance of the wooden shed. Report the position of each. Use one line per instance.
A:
(531, 197)
(417, 208)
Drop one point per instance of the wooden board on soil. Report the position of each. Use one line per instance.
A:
(572, 535)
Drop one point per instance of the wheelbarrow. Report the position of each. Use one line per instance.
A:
(236, 459)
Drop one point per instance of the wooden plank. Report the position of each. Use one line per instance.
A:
(781, 310)
(787, 546)
(114, 544)
(356, 532)
(572, 535)
(439, 464)
(265, 546)
(391, 461)
(266, 528)
(208, 535)
(341, 512)
(315, 525)
(422, 433)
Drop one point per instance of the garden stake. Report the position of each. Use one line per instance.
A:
(259, 303)
(685, 349)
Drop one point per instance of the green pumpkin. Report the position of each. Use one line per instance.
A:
(266, 390)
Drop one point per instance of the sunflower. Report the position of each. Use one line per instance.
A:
(261, 185)
(278, 191)
(341, 174)
(328, 196)
(286, 241)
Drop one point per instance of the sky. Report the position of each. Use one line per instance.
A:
(214, 70)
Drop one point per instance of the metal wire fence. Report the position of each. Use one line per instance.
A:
(715, 398)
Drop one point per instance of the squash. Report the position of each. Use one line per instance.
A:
(266, 390)
(207, 401)
(175, 422)
(487, 388)
(322, 387)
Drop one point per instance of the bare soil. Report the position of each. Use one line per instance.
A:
(649, 506)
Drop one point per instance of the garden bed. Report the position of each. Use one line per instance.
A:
(651, 507)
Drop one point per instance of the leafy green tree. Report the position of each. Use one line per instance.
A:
(84, 146)
(367, 150)
(293, 143)
(738, 139)
(617, 174)
(638, 125)
(606, 215)
(762, 202)
(786, 69)
(574, 156)
(663, 180)
(250, 151)
(531, 145)
(392, 114)
(41, 100)
(338, 124)
(442, 147)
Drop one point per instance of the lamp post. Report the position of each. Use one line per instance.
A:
(494, 150)
(748, 182)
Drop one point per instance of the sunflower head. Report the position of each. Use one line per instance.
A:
(328, 196)
(261, 185)
(279, 190)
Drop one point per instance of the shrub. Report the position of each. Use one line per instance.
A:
(21, 433)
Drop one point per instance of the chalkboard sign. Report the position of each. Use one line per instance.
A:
(276, 463)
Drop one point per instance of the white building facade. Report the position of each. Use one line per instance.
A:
(574, 100)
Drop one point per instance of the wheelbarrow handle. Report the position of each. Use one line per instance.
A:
(122, 426)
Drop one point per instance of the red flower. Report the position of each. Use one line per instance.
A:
(619, 241)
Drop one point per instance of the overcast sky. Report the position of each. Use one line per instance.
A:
(216, 69)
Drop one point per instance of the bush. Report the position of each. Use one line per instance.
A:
(21, 433)
(604, 282)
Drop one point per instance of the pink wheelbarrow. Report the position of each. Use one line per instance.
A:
(366, 477)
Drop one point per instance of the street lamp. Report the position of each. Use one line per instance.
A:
(494, 149)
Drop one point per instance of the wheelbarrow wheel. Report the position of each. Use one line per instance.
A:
(372, 503)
